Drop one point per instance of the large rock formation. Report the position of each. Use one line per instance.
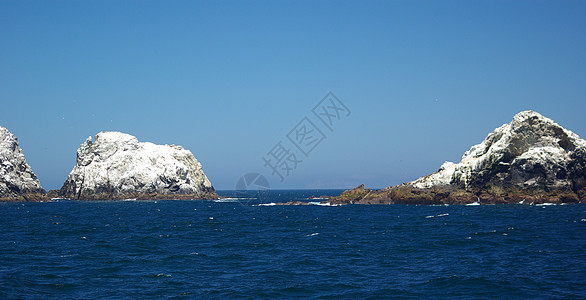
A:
(118, 166)
(17, 180)
(530, 160)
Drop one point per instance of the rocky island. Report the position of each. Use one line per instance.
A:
(116, 165)
(17, 180)
(530, 160)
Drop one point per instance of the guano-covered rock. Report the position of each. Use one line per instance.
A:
(17, 180)
(117, 166)
(530, 160)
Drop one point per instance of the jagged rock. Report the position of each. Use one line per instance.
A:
(117, 166)
(532, 152)
(530, 160)
(17, 180)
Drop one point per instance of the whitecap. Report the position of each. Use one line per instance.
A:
(323, 204)
(68, 255)
(226, 200)
(232, 199)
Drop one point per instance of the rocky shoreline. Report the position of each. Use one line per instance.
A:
(27, 197)
(406, 194)
(56, 194)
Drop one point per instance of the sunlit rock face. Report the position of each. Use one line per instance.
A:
(116, 165)
(17, 180)
(531, 153)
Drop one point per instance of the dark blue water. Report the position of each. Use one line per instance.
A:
(205, 249)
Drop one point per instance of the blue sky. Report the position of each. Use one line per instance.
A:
(424, 80)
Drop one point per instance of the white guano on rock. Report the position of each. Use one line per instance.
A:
(531, 152)
(116, 164)
(17, 180)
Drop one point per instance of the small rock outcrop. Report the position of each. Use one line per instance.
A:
(116, 165)
(530, 160)
(17, 180)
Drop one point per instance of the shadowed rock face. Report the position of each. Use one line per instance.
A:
(118, 166)
(17, 180)
(532, 158)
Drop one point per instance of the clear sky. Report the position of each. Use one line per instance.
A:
(424, 80)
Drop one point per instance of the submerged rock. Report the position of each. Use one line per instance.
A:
(117, 166)
(530, 160)
(17, 180)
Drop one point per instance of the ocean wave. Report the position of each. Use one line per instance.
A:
(323, 204)
(545, 204)
(232, 199)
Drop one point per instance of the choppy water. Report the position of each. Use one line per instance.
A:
(205, 249)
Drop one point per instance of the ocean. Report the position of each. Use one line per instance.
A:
(238, 249)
